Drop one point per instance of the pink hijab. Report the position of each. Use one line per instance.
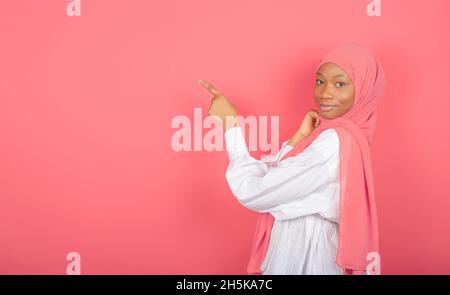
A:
(358, 224)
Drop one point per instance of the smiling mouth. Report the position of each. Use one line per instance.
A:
(326, 107)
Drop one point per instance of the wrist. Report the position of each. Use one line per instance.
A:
(231, 122)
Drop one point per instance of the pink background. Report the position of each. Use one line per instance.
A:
(86, 104)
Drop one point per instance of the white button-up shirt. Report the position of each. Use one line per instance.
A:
(301, 193)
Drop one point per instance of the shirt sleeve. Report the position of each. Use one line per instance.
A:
(288, 188)
(271, 160)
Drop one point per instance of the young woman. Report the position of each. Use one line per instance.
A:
(316, 196)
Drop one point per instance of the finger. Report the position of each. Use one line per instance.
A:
(316, 114)
(316, 119)
(209, 87)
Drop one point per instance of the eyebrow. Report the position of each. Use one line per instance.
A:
(335, 76)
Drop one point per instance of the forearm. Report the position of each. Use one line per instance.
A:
(296, 139)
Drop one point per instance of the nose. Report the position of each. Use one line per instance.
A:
(326, 93)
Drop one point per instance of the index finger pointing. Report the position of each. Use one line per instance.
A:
(209, 87)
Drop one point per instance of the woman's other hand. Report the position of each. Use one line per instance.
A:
(309, 123)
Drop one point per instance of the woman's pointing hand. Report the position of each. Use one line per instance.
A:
(221, 109)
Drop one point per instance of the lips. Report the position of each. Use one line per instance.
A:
(326, 107)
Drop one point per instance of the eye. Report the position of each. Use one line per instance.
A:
(318, 82)
(340, 84)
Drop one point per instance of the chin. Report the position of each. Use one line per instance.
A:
(327, 115)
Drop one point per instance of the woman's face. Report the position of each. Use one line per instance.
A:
(334, 91)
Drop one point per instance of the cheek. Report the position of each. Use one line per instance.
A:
(315, 92)
(347, 99)
(345, 103)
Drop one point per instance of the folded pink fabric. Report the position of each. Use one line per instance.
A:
(358, 224)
